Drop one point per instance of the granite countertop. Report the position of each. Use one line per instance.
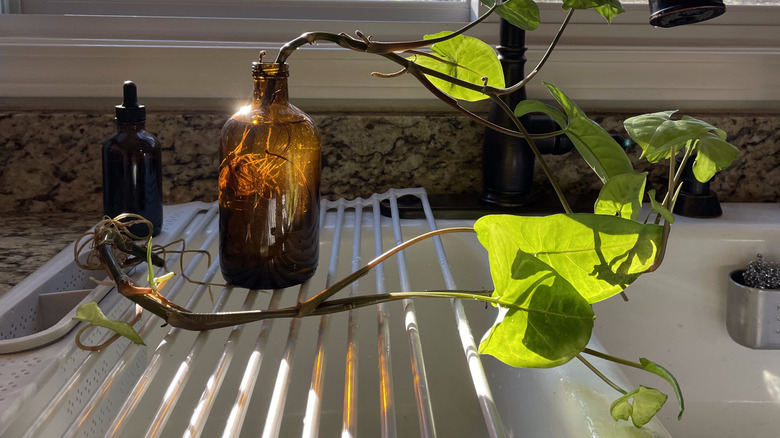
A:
(28, 241)
(50, 184)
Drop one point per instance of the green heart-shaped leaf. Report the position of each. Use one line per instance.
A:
(543, 322)
(608, 9)
(660, 138)
(464, 58)
(598, 255)
(713, 155)
(622, 195)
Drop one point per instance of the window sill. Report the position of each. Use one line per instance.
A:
(727, 64)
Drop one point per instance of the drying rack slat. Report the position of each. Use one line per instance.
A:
(356, 225)
(419, 373)
(311, 420)
(214, 382)
(477, 372)
(350, 410)
(141, 386)
(387, 405)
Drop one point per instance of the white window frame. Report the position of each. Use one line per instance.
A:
(730, 63)
(340, 10)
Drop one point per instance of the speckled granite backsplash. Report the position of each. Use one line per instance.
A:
(50, 161)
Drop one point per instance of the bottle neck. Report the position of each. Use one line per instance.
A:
(130, 127)
(270, 84)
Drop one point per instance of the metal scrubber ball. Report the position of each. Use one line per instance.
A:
(762, 274)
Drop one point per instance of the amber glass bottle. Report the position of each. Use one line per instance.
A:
(132, 166)
(269, 188)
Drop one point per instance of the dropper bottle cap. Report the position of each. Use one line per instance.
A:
(130, 111)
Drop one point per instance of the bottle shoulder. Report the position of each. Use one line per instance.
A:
(132, 139)
(269, 114)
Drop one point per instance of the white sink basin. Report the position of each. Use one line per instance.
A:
(676, 317)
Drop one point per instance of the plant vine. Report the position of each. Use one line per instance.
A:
(547, 271)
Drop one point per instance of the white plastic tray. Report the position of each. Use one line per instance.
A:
(29, 327)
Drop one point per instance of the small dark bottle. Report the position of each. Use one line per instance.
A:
(132, 167)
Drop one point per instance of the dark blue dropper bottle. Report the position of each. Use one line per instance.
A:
(132, 166)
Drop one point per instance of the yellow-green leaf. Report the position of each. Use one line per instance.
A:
(543, 322)
(714, 154)
(658, 207)
(602, 153)
(660, 137)
(91, 313)
(622, 195)
(658, 370)
(464, 58)
(598, 255)
(520, 13)
(640, 405)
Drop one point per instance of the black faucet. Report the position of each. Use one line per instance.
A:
(507, 161)
(695, 198)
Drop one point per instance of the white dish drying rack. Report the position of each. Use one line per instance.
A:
(267, 378)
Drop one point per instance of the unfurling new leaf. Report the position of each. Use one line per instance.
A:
(658, 370)
(91, 313)
(659, 208)
(640, 405)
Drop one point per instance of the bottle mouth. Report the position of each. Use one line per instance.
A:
(270, 69)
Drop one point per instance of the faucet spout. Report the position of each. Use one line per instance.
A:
(671, 13)
(508, 162)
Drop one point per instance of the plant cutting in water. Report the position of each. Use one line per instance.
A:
(254, 174)
(269, 188)
(547, 271)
